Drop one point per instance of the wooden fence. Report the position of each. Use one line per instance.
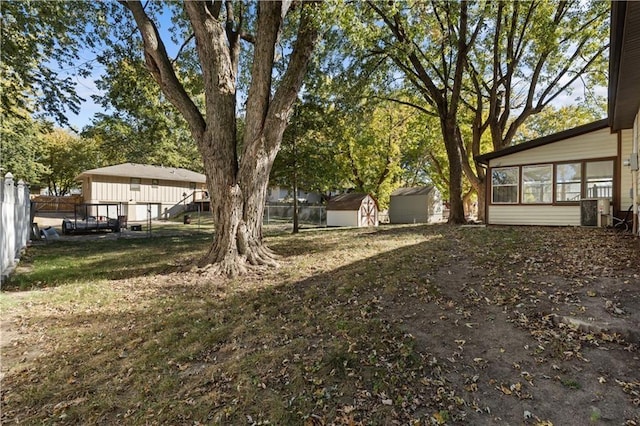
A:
(49, 203)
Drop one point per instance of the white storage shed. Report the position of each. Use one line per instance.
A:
(355, 209)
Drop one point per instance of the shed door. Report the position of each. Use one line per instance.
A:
(368, 212)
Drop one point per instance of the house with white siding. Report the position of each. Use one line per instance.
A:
(279, 194)
(624, 92)
(142, 189)
(543, 182)
(553, 180)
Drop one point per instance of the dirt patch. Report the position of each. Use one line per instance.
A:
(516, 364)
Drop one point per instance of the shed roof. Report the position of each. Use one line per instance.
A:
(556, 137)
(624, 61)
(147, 171)
(350, 201)
(415, 190)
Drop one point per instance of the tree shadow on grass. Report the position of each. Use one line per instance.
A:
(337, 347)
(217, 352)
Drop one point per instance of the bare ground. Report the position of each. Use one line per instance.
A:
(473, 326)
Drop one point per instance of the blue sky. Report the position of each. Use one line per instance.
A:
(86, 87)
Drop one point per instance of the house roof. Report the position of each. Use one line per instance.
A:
(350, 201)
(146, 171)
(576, 131)
(624, 62)
(415, 190)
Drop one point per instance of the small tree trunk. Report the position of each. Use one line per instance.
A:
(295, 185)
(482, 200)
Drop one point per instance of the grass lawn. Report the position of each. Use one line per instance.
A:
(394, 325)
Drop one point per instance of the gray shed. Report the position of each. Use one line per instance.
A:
(421, 204)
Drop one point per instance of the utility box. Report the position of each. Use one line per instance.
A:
(595, 212)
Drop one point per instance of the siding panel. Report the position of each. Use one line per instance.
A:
(408, 209)
(625, 172)
(342, 218)
(534, 215)
(597, 144)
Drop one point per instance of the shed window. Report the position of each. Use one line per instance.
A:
(154, 183)
(537, 184)
(568, 182)
(135, 184)
(504, 185)
(192, 185)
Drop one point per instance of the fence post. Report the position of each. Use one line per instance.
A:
(8, 224)
(24, 216)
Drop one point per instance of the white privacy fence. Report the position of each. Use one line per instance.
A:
(15, 226)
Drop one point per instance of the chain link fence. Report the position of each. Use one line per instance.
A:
(283, 213)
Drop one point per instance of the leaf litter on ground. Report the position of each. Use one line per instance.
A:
(397, 325)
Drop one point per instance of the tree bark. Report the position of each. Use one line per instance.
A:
(454, 155)
(237, 183)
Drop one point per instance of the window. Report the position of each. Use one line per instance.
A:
(568, 182)
(135, 184)
(504, 185)
(537, 184)
(599, 179)
(192, 185)
(154, 183)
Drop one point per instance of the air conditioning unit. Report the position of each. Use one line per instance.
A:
(595, 212)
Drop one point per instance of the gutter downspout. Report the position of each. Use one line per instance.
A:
(634, 174)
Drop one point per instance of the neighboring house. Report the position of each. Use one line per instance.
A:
(546, 181)
(142, 189)
(422, 204)
(355, 209)
(279, 194)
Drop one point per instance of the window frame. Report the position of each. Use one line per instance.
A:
(135, 184)
(587, 180)
(583, 191)
(549, 184)
(516, 184)
(580, 182)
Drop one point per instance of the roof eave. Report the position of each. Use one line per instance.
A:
(624, 79)
(545, 140)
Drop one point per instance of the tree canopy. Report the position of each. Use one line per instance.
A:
(481, 66)
(40, 56)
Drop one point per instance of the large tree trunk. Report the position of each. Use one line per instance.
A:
(237, 183)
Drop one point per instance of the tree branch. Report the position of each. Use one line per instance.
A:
(162, 70)
(184, 44)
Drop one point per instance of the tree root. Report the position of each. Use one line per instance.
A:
(262, 256)
(234, 265)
